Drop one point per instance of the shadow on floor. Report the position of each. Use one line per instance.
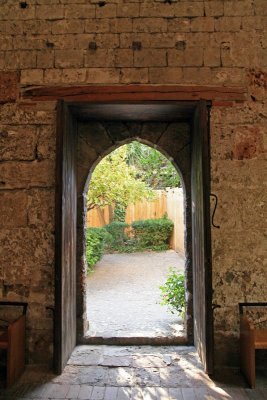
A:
(133, 372)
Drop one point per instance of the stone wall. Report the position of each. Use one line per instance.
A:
(71, 42)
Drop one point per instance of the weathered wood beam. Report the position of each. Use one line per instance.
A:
(134, 93)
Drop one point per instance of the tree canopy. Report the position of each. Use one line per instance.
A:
(129, 174)
(152, 166)
(114, 181)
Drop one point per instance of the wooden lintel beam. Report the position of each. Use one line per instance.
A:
(134, 93)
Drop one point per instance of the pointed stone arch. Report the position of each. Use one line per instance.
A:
(97, 139)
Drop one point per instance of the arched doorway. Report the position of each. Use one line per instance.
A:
(134, 182)
(87, 132)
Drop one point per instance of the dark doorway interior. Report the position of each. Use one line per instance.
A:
(82, 142)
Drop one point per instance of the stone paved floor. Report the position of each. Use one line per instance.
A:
(136, 373)
(123, 296)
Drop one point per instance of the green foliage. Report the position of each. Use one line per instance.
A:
(152, 233)
(117, 236)
(95, 238)
(173, 292)
(115, 182)
(152, 166)
(119, 213)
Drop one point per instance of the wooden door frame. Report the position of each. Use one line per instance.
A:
(58, 313)
(70, 96)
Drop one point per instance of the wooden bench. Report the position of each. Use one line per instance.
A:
(12, 340)
(251, 339)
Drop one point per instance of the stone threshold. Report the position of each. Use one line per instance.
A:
(136, 341)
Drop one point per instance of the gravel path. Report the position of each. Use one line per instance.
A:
(123, 296)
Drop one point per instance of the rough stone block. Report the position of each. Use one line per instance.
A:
(249, 23)
(176, 58)
(36, 248)
(13, 207)
(179, 25)
(237, 56)
(260, 7)
(212, 56)
(107, 40)
(28, 42)
(6, 43)
(68, 58)
(248, 142)
(41, 207)
(97, 25)
(173, 143)
(27, 175)
(134, 75)
(2, 61)
(214, 8)
(258, 83)
(124, 58)
(189, 9)
(149, 25)
(103, 75)
(32, 76)
(12, 11)
(195, 75)
(17, 143)
(45, 59)
(117, 131)
(99, 58)
(12, 27)
(162, 40)
(151, 132)
(107, 11)
(53, 76)
(8, 86)
(11, 60)
(81, 11)
(121, 25)
(127, 40)
(227, 76)
(238, 174)
(49, 12)
(20, 59)
(150, 58)
(73, 75)
(156, 10)
(34, 26)
(238, 8)
(90, 131)
(193, 56)
(228, 24)
(202, 24)
(131, 10)
(46, 144)
(30, 113)
(65, 26)
(165, 75)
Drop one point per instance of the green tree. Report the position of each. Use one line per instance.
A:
(152, 166)
(115, 183)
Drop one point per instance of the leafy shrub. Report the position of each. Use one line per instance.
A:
(173, 292)
(153, 234)
(95, 238)
(116, 235)
(119, 213)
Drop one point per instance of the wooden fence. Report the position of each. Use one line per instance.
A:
(169, 201)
